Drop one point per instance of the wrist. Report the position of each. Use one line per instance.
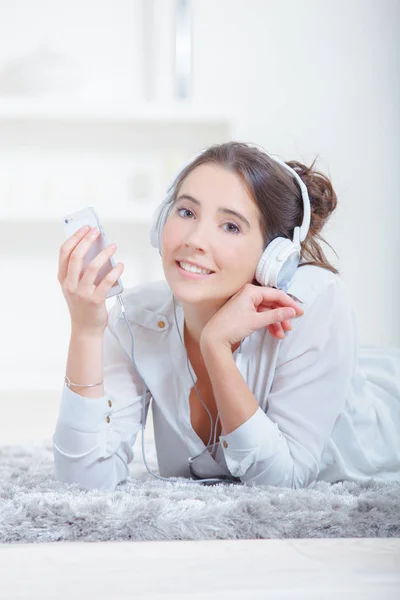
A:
(69, 383)
(211, 347)
(86, 335)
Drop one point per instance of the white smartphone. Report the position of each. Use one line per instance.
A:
(88, 216)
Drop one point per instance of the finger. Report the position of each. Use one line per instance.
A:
(271, 304)
(65, 250)
(286, 300)
(275, 330)
(76, 259)
(272, 294)
(108, 281)
(277, 315)
(279, 330)
(95, 265)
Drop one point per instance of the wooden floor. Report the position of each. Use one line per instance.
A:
(206, 570)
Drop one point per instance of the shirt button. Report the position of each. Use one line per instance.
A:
(109, 403)
(108, 419)
(161, 324)
(225, 444)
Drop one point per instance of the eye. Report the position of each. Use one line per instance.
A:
(183, 208)
(236, 231)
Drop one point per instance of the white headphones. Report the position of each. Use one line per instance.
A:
(281, 256)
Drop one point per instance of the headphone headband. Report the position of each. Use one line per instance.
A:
(305, 225)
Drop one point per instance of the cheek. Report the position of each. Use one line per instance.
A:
(168, 237)
(243, 258)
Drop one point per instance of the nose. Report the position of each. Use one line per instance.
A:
(197, 237)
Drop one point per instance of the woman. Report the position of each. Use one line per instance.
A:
(288, 394)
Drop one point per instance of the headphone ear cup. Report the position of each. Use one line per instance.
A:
(153, 228)
(278, 263)
(158, 222)
(264, 270)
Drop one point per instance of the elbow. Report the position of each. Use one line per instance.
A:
(280, 474)
(88, 461)
(100, 474)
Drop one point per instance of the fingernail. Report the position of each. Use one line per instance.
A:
(290, 312)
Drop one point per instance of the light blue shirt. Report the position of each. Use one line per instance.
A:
(328, 409)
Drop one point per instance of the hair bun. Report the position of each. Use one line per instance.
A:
(323, 199)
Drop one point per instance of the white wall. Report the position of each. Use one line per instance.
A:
(307, 78)
(322, 79)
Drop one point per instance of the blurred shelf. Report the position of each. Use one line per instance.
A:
(151, 113)
(54, 215)
(23, 220)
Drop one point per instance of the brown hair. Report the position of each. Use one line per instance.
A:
(277, 194)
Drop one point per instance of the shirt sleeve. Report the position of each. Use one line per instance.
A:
(283, 446)
(94, 437)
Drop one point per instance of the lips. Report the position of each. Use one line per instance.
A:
(194, 265)
(190, 274)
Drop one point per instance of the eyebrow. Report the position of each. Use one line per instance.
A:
(222, 209)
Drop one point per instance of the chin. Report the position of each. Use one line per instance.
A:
(188, 296)
(184, 294)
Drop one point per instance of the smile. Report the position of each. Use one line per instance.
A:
(191, 274)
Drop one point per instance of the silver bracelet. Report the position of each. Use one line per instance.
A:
(68, 383)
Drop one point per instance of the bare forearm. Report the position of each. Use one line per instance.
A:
(235, 402)
(85, 364)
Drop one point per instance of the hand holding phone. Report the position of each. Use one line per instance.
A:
(87, 272)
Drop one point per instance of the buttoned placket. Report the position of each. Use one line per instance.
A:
(108, 418)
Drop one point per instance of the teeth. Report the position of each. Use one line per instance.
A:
(193, 269)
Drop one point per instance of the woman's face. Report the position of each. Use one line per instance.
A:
(200, 230)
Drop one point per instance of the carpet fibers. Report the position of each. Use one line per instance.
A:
(34, 507)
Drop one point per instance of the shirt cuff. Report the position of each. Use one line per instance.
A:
(241, 447)
(251, 433)
(84, 414)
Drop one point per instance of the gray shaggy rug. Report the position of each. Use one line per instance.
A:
(34, 507)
